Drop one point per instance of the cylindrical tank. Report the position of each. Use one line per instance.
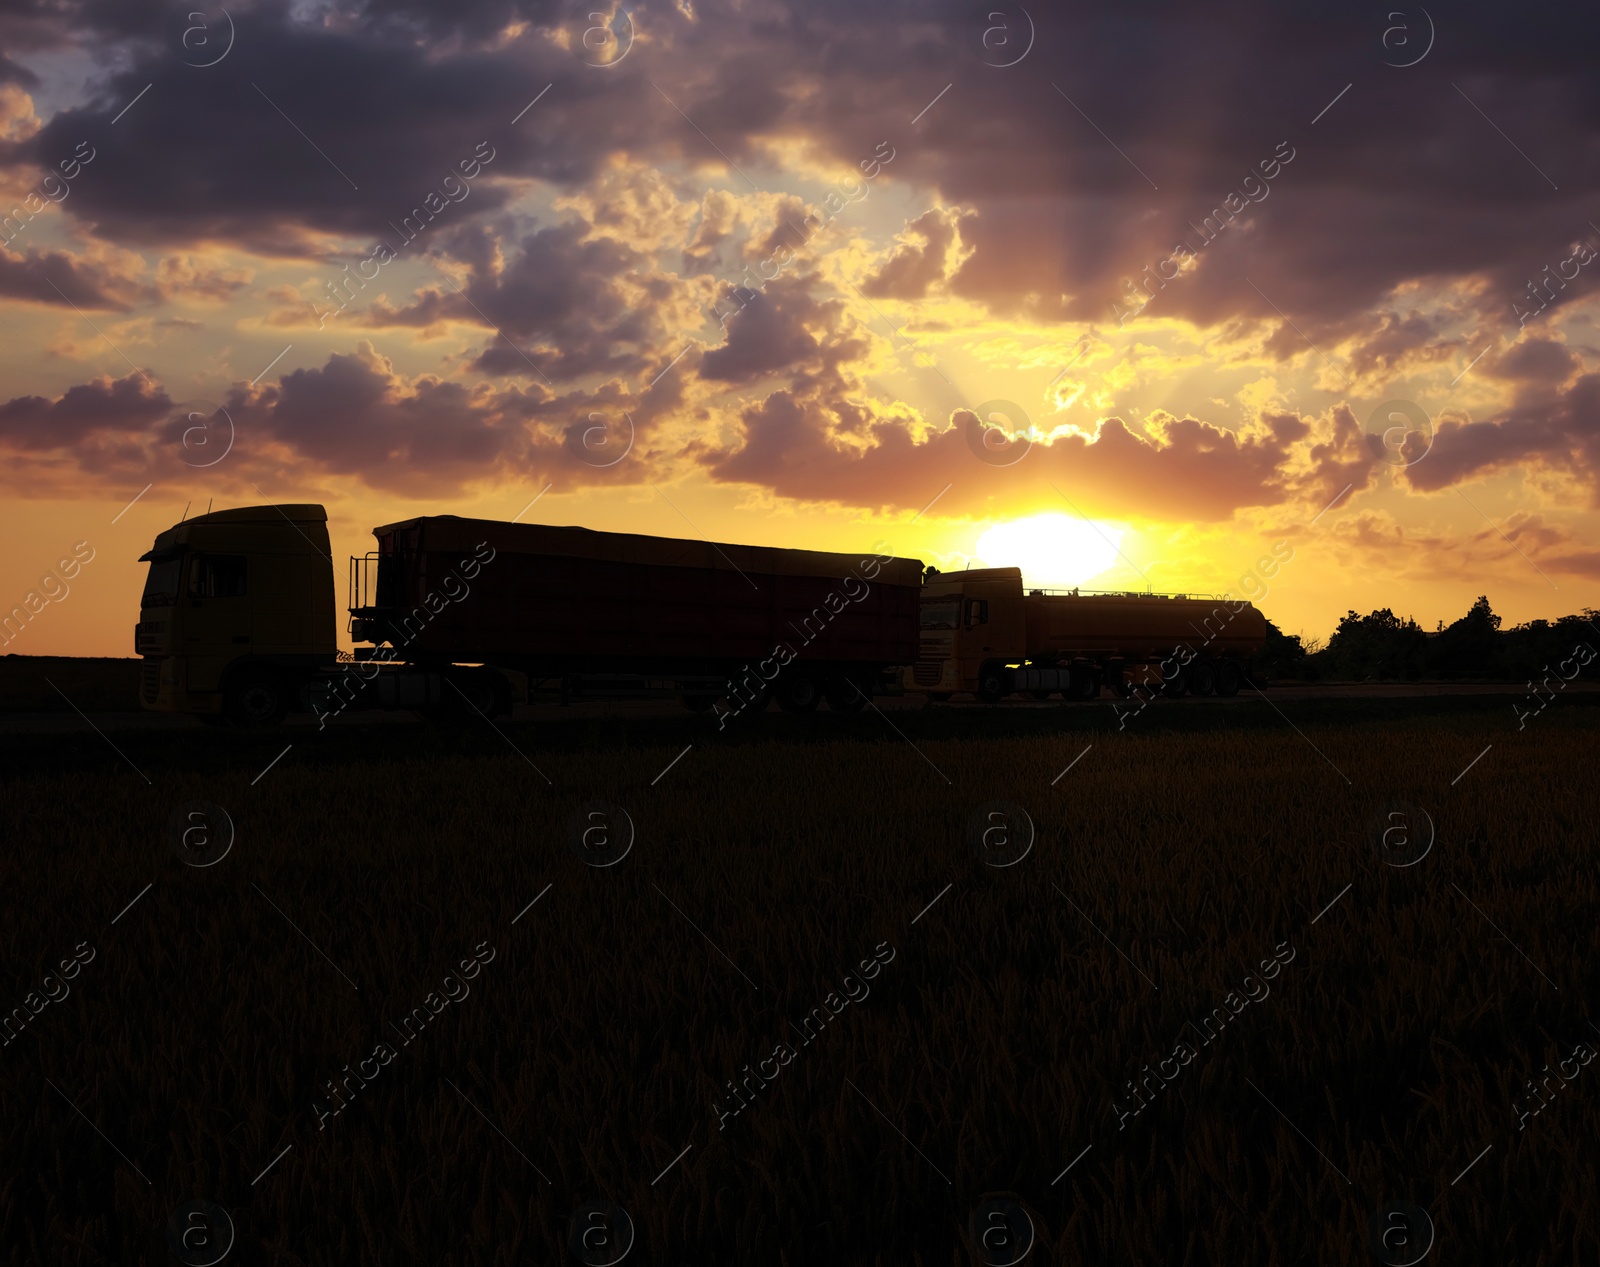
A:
(1139, 626)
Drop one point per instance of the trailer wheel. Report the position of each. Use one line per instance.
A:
(844, 696)
(799, 694)
(992, 684)
(1203, 677)
(255, 698)
(1084, 682)
(1176, 686)
(1229, 678)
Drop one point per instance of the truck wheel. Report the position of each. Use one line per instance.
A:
(1203, 677)
(255, 698)
(844, 696)
(992, 684)
(799, 694)
(1176, 686)
(1229, 678)
(1084, 682)
(487, 692)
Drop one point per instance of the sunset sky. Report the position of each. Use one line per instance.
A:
(748, 270)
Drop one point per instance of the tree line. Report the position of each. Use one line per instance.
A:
(1381, 646)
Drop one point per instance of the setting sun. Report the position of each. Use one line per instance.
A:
(1053, 550)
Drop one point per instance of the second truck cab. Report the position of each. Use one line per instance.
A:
(982, 633)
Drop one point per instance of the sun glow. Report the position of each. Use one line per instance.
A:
(1053, 550)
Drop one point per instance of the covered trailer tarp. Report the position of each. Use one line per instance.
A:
(562, 599)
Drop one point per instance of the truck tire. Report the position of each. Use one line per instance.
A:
(1203, 677)
(992, 683)
(256, 698)
(1229, 678)
(844, 696)
(799, 694)
(1084, 682)
(1176, 686)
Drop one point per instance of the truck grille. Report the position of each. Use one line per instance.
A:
(150, 680)
(927, 672)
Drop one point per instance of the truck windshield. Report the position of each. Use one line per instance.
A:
(941, 613)
(161, 586)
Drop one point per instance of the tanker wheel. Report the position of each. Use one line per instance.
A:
(255, 698)
(1176, 686)
(991, 684)
(844, 696)
(477, 692)
(1229, 678)
(1203, 677)
(1084, 684)
(799, 694)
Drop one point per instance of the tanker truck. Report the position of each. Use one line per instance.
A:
(981, 633)
(237, 619)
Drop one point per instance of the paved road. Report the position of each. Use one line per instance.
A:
(68, 722)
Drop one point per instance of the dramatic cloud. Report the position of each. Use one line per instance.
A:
(1201, 245)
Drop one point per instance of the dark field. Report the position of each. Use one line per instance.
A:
(993, 1045)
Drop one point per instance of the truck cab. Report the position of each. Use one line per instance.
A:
(237, 613)
(972, 627)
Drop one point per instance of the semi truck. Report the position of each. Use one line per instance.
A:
(237, 618)
(981, 633)
(237, 624)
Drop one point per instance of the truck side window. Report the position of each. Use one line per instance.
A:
(977, 612)
(218, 576)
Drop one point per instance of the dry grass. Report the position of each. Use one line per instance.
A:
(996, 1040)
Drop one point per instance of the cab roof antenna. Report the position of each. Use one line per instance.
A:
(209, 500)
(185, 514)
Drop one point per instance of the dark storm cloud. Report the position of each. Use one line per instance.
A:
(1189, 470)
(1403, 179)
(1125, 133)
(350, 419)
(1559, 432)
(920, 262)
(771, 333)
(297, 130)
(553, 302)
(58, 278)
(12, 73)
(126, 405)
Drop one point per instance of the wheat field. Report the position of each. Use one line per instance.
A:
(1018, 1016)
